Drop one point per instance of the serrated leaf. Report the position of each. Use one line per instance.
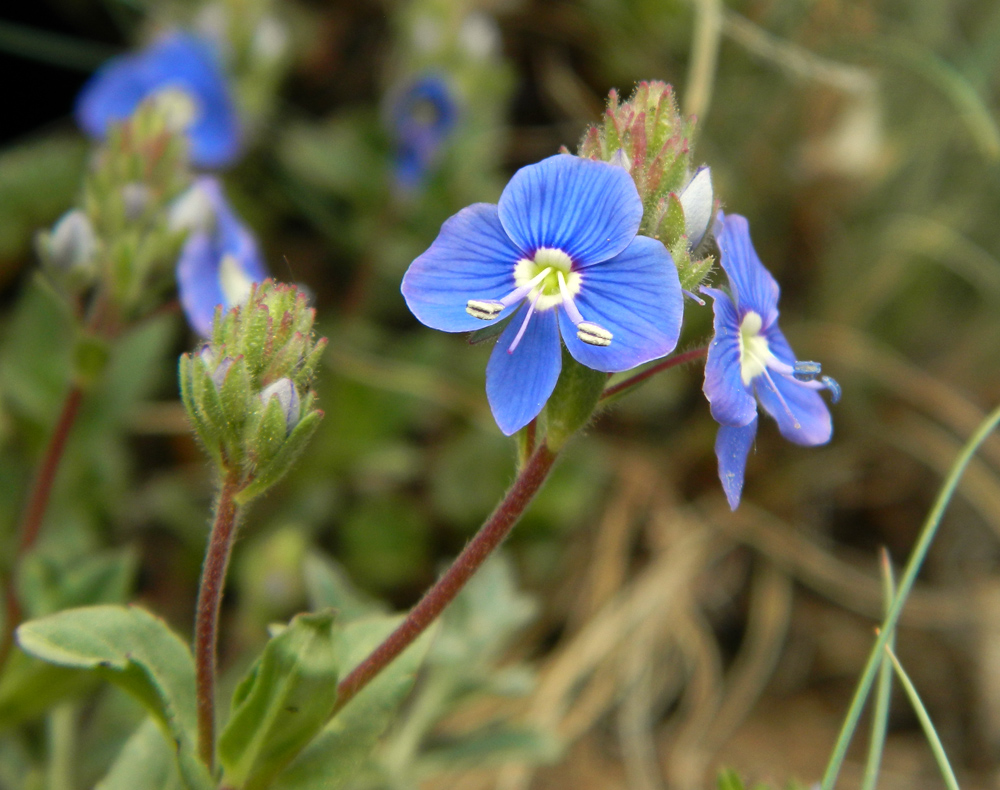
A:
(341, 749)
(282, 702)
(144, 763)
(327, 586)
(138, 652)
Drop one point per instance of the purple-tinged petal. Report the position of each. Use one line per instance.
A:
(752, 285)
(198, 281)
(590, 210)
(518, 384)
(732, 444)
(472, 258)
(806, 420)
(731, 400)
(637, 297)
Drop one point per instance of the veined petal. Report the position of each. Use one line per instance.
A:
(753, 286)
(472, 258)
(807, 419)
(519, 384)
(732, 444)
(637, 297)
(198, 281)
(731, 400)
(590, 210)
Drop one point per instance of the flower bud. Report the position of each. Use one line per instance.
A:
(698, 201)
(71, 246)
(283, 390)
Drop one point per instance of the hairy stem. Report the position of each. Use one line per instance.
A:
(34, 513)
(490, 535)
(206, 635)
(638, 378)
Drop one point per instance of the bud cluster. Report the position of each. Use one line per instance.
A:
(247, 392)
(648, 137)
(119, 238)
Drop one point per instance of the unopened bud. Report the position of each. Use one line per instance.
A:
(288, 398)
(621, 159)
(72, 243)
(136, 197)
(697, 200)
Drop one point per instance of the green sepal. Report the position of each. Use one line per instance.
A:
(268, 475)
(235, 397)
(573, 401)
(269, 434)
(257, 323)
(136, 651)
(282, 702)
(490, 331)
(202, 428)
(208, 407)
(671, 227)
(693, 273)
(304, 376)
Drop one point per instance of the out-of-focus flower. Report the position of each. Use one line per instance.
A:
(422, 117)
(220, 259)
(750, 357)
(182, 74)
(71, 246)
(560, 255)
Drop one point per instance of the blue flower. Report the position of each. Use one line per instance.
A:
(182, 73)
(558, 254)
(749, 356)
(422, 118)
(220, 259)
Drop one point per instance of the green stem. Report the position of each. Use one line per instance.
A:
(913, 565)
(206, 635)
(489, 537)
(883, 692)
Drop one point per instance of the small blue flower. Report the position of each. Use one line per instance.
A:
(422, 118)
(183, 74)
(220, 259)
(749, 356)
(560, 255)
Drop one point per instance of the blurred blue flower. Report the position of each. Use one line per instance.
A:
(422, 118)
(749, 356)
(559, 254)
(183, 74)
(220, 259)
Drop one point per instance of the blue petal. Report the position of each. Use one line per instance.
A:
(198, 281)
(753, 286)
(731, 400)
(590, 210)
(732, 444)
(472, 258)
(176, 60)
(637, 297)
(518, 384)
(807, 419)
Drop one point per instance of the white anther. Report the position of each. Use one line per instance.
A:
(593, 334)
(484, 309)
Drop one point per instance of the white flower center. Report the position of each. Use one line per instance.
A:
(548, 291)
(755, 355)
(179, 108)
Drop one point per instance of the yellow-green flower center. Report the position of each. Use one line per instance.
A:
(178, 107)
(547, 289)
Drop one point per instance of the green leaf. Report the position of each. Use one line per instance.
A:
(282, 702)
(340, 750)
(729, 780)
(144, 763)
(137, 651)
(47, 586)
(28, 688)
(328, 586)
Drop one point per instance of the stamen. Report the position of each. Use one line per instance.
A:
(806, 371)
(524, 324)
(834, 388)
(587, 331)
(693, 297)
(484, 309)
(788, 411)
(594, 334)
(488, 309)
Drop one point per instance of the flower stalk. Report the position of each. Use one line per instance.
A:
(490, 536)
(670, 362)
(206, 635)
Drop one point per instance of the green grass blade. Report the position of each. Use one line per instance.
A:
(883, 692)
(925, 721)
(913, 565)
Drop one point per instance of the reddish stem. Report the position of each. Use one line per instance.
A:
(34, 513)
(638, 378)
(206, 635)
(490, 535)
